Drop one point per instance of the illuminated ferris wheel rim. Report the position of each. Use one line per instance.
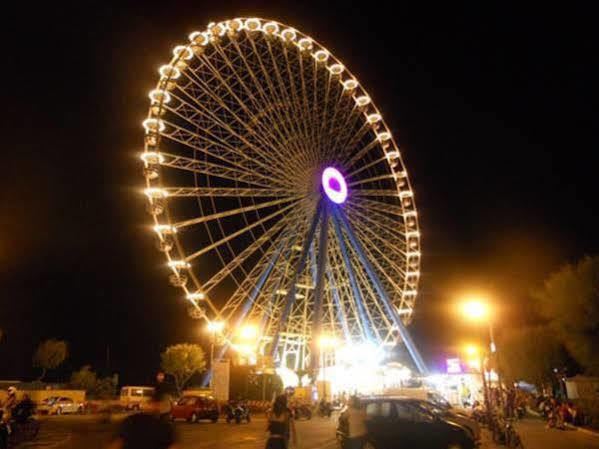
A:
(153, 158)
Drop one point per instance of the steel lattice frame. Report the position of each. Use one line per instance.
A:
(241, 124)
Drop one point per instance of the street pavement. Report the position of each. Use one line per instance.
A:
(535, 435)
(87, 432)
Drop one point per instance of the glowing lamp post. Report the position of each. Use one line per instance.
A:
(325, 342)
(248, 332)
(213, 327)
(478, 310)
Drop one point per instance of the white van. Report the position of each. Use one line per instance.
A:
(134, 398)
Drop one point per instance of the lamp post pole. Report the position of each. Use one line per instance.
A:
(324, 376)
(212, 339)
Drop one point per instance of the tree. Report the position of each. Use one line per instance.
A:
(182, 361)
(49, 355)
(529, 354)
(84, 379)
(569, 300)
(105, 388)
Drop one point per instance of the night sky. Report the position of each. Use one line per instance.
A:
(491, 107)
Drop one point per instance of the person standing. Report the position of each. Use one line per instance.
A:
(281, 426)
(162, 395)
(356, 423)
(146, 430)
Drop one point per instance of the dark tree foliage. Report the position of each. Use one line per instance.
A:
(529, 354)
(569, 301)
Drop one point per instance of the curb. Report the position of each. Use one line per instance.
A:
(582, 429)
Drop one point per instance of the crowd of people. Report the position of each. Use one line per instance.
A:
(558, 412)
(513, 403)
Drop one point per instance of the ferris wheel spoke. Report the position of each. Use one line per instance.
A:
(242, 290)
(188, 139)
(315, 111)
(190, 113)
(323, 110)
(382, 223)
(362, 152)
(347, 300)
(378, 320)
(335, 305)
(212, 170)
(395, 248)
(249, 250)
(228, 213)
(383, 317)
(378, 206)
(260, 108)
(341, 144)
(336, 122)
(280, 96)
(306, 106)
(281, 118)
(376, 192)
(367, 166)
(242, 154)
(278, 122)
(300, 110)
(356, 293)
(267, 140)
(377, 263)
(372, 179)
(291, 101)
(376, 247)
(238, 233)
(227, 192)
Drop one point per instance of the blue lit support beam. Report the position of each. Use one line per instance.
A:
(405, 335)
(352, 278)
(340, 314)
(246, 306)
(320, 270)
(290, 298)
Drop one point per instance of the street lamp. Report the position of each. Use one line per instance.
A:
(325, 342)
(214, 328)
(478, 357)
(248, 332)
(478, 310)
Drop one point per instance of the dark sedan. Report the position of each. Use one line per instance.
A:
(398, 423)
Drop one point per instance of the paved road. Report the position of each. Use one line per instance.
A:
(86, 432)
(535, 436)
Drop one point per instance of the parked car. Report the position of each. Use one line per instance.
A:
(58, 405)
(134, 398)
(194, 408)
(452, 415)
(399, 422)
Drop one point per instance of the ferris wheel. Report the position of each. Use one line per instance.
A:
(277, 192)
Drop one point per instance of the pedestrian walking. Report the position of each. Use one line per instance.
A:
(281, 426)
(145, 430)
(356, 423)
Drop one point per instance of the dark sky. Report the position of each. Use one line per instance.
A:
(491, 108)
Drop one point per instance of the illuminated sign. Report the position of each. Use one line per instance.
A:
(453, 366)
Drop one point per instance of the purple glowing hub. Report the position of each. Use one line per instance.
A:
(334, 185)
